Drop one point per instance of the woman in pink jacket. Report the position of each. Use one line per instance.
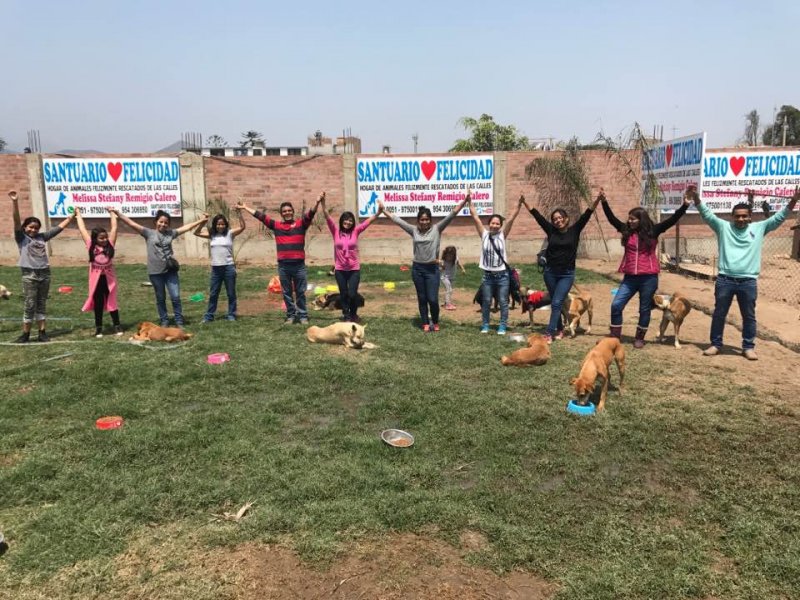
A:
(345, 256)
(640, 264)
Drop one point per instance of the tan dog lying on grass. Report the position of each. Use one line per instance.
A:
(150, 332)
(4, 293)
(350, 335)
(537, 353)
(596, 365)
(675, 308)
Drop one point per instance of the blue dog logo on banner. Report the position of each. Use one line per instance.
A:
(371, 207)
(60, 208)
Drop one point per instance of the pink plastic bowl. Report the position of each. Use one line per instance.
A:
(218, 359)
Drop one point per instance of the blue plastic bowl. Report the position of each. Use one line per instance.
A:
(580, 409)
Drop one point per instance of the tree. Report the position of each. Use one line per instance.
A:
(2, 144)
(486, 135)
(752, 122)
(252, 139)
(773, 134)
(216, 141)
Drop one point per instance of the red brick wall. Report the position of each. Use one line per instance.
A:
(13, 176)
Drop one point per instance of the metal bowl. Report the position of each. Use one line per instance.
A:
(397, 438)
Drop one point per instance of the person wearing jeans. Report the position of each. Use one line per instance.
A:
(223, 268)
(561, 252)
(290, 245)
(640, 264)
(427, 239)
(159, 257)
(494, 264)
(739, 247)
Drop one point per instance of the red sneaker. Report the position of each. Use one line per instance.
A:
(436, 327)
(426, 328)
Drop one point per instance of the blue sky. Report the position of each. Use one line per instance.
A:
(124, 76)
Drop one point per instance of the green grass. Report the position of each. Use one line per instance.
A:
(684, 488)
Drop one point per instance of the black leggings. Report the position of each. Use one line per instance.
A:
(100, 295)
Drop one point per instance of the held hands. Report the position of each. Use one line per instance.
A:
(521, 200)
(691, 195)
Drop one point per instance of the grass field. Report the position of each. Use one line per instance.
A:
(682, 489)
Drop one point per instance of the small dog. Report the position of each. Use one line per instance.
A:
(596, 365)
(150, 332)
(675, 308)
(350, 335)
(326, 300)
(4, 293)
(580, 302)
(537, 353)
(478, 299)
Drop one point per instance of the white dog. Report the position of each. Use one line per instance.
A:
(351, 335)
(4, 293)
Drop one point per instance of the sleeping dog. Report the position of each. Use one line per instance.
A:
(675, 308)
(327, 300)
(350, 335)
(536, 353)
(150, 332)
(4, 293)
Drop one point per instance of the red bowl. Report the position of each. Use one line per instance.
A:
(109, 422)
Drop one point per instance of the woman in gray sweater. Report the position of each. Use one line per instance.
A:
(425, 269)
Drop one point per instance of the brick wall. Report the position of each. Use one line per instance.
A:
(13, 176)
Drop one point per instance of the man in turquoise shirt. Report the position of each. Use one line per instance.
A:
(739, 243)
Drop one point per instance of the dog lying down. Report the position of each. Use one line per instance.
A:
(537, 353)
(327, 300)
(596, 366)
(4, 293)
(150, 332)
(350, 335)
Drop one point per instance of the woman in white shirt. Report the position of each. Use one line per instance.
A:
(494, 264)
(223, 269)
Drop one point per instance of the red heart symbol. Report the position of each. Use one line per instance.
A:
(669, 154)
(428, 168)
(115, 170)
(737, 164)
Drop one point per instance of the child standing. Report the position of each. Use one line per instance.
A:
(35, 268)
(102, 277)
(448, 265)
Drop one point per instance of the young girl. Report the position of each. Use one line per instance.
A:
(222, 266)
(640, 264)
(448, 265)
(425, 269)
(102, 277)
(159, 256)
(347, 267)
(35, 268)
(494, 264)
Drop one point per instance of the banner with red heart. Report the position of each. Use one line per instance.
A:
(737, 164)
(428, 168)
(669, 154)
(115, 170)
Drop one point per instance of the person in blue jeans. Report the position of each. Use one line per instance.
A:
(160, 257)
(494, 264)
(223, 268)
(561, 252)
(739, 244)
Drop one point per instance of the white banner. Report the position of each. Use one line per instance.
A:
(729, 176)
(674, 165)
(137, 187)
(404, 184)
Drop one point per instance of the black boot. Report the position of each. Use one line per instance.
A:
(24, 338)
(43, 337)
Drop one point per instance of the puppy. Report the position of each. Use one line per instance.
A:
(478, 299)
(537, 353)
(532, 300)
(150, 332)
(596, 366)
(580, 302)
(326, 300)
(4, 293)
(351, 335)
(675, 308)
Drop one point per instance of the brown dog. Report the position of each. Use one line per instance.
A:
(580, 302)
(537, 353)
(150, 332)
(596, 365)
(675, 308)
(351, 335)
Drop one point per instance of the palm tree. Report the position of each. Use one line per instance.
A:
(252, 139)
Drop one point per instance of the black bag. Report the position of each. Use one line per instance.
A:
(513, 276)
(173, 266)
(541, 257)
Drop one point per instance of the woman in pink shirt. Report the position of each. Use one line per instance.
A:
(345, 257)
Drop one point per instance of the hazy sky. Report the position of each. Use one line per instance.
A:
(131, 76)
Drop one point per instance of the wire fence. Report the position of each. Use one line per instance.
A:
(780, 263)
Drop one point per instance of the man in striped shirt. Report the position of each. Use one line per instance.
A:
(290, 242)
